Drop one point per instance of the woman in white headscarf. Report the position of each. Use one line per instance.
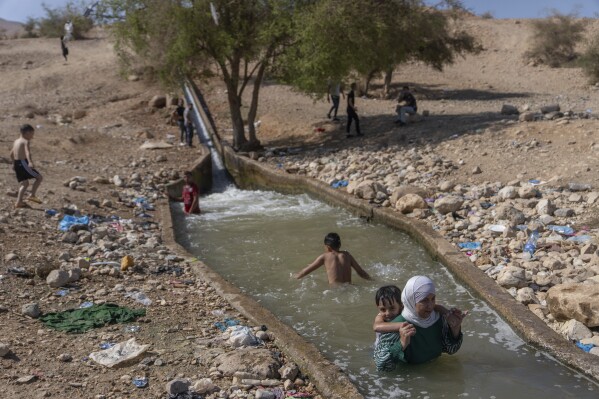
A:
(425, 334)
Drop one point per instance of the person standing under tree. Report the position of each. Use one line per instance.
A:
(351, 111)
(187, 115)
(334, 92)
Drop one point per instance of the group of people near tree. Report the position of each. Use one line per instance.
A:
(406, 106)
(410, 327)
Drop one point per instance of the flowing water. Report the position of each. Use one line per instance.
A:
(259, 239)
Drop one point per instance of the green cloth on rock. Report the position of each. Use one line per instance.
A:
(81, 320)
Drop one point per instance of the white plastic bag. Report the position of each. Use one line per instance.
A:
(242, 336)
(119, 353)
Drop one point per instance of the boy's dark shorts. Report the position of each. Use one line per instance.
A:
(24, 171)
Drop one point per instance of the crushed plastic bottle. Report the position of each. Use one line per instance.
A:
(132, 329)
(140, 382)
(51, 212)
(531, 245)
(140, 297)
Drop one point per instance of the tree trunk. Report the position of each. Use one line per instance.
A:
(388, 80)
(254, 143)
(239, 139)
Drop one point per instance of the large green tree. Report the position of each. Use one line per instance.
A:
(303, 42)
(239, 38)
(365, 37)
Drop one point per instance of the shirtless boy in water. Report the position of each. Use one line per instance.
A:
(338, 264)
(23, 166)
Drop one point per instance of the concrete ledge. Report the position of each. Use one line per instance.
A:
(250, 174)
(201, 174)
(327, 377)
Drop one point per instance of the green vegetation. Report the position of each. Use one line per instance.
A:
(589, 61)
(555, 38)
(52, 25)
(301, 42)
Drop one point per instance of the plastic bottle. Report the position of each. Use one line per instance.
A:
(531, 244)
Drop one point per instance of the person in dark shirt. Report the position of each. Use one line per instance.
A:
(406, 105)
(351, 111)
(178, 117)
(65, 49)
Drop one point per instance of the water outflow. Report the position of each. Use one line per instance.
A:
(220, 178)
(259, 239)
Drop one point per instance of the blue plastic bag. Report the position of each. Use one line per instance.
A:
(470, 245)
(68, 221)
(565, 230)
(585, 347)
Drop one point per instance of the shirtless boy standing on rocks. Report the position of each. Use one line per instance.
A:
(23, 166)
(338, 264)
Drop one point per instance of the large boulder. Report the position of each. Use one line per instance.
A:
(401, 191)
(507, 212)
(365, 190)
(258, 362)
(57, 278)
(512, 276)
(575, 330)
(545, 207)
(508, 192)
(158, 102)
(448, 204)
(409, 202)
(575, 301)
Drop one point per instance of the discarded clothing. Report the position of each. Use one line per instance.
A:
(81, 320)
(226, 324)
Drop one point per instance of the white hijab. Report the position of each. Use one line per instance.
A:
(417, 288)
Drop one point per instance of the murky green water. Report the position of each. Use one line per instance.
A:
(257, 240)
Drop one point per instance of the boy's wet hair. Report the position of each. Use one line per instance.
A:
(26, 128)
(387, 295)
(333, 240)
(187, 173)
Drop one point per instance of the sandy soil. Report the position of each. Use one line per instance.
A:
(39, 88)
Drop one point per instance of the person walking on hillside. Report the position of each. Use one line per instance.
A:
(65, 49)
(406, 105)
(351, 112)
(187, 115)
(334, 91)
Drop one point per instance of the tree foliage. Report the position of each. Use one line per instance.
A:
(52, 25)
(338, 38)
(303, 42)
(589, 61)
(555, 38)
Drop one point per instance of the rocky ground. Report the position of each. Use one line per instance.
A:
(90, 123)
(466, 169)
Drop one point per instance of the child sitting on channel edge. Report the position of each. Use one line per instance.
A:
(388, 302)
(338, 264)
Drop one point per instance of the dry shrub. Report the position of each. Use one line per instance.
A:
(555, 38)
(589, 61)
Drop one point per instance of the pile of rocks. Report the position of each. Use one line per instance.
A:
(498, 218)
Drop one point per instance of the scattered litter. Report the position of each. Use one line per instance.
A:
(319, 129)
(126, 262)
(106, 345)
(470, 245)
(140, 382)
(498, 228)
(119, 353)
(565, 230)
(19, 271)
(243, 336)
(486, 205)
(62, 292)
(531, 244)
(580, 239)
(521, 227)
(339, 183)
(51, 212)
(585, 347)
(536, 182)
(226, 324)
(218, 312)
(81, 320)
(156, 145)
(69, 220)
(132, 329)
(86, 305)
(140, 297)
(110, 263)
(295, 394)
